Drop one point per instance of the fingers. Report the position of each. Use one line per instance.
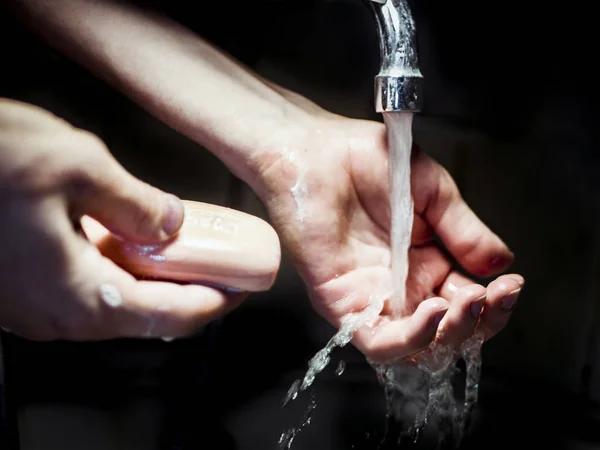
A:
(503, 294)
(450, 323)
(466, 304)
(128, 207)
(98, 185)
(499, 302)
(427, 270)
(167, 310)
(109, 303)
(397, 339)
(470, 241)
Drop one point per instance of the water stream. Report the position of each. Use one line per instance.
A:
(399, 129)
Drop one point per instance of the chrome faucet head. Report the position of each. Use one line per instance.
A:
(399, 82)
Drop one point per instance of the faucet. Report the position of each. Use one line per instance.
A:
(398, 84)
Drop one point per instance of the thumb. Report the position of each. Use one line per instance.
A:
(125, 205)
(469, 240)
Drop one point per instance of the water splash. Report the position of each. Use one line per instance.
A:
(422, 393)
(321, 360)
(340, 368)
(350, 323)
(287, 437)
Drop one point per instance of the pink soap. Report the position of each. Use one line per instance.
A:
(216, 246)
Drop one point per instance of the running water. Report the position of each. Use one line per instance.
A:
(399, 129)
(421, 392)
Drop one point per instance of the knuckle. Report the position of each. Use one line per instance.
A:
(92, 154)
(34, 144)
(91, 142)
(445, 188)
(32, 174)
(53, 159)
(469, 237)
(90, 157)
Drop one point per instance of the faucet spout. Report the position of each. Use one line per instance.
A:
(398, 84)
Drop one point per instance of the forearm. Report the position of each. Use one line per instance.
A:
(176, 76)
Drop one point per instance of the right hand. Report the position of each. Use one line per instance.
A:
(329, 199)
(54, 284)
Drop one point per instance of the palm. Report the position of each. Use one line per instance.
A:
(339, 236)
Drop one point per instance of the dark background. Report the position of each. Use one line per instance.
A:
(510, 109)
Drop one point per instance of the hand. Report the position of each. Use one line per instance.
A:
(323, 178)
(55, 284)
(328, 196)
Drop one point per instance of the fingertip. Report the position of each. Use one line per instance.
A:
(472, 292)
(470, 301)
(399, 338)
(463, 315)
(432, 306)
(503, 294)
(428, 317)
(519, 279)
(504, 285)
(129, 207)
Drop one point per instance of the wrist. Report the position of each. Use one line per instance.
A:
(265, 151)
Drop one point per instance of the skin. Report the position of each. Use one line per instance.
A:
(322, 177)
(342, 247)
(54, 282)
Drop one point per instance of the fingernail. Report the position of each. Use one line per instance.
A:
(174, 215)
(438, 317)
(477, 306)
(519, 279)
(509, 301)
(502, 262)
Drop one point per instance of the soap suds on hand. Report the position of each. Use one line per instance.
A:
(299, 191)
(110, 295)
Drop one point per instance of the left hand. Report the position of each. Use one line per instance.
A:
(328, 197)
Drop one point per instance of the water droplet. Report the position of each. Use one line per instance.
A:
(292, 393)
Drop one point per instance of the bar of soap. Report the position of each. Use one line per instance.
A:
(216, 246)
